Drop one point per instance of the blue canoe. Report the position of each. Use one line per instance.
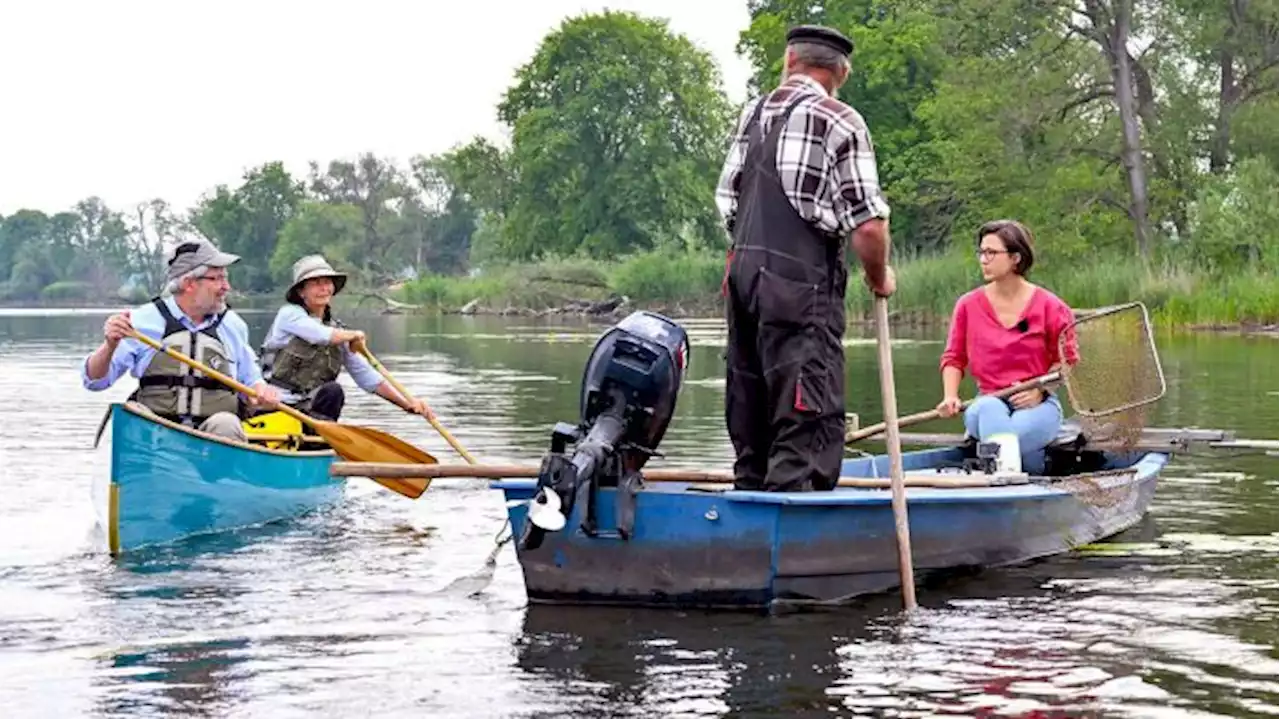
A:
(698, 546)
(169, 482)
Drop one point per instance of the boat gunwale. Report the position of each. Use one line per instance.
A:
(1147, 467)
(132, 408)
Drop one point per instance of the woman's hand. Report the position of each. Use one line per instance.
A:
(949, 406)
(355, 337)
(1027, 398)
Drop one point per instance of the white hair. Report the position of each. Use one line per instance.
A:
(172, 286)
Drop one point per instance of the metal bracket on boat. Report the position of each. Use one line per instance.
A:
(624, 503)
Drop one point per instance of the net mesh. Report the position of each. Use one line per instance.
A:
(1116, 376)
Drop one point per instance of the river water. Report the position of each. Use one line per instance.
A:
(347, 612)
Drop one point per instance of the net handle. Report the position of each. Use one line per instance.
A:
(1067, 374)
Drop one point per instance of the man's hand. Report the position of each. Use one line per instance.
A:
(886, 286)
(417, 406)
(1027, 398)
(116, 328)
(267, 396)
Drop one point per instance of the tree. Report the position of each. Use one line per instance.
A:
(1234, 46)
(618, 132)
(333, 230)
(376, 187)
(899, 57)
(248, 220)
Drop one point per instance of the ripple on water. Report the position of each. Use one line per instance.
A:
(353, 611)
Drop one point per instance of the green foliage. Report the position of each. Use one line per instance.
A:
(617, 139)
(333, 230)
(1236, 220)
(978, 109)
(668, 278)
(248, 220)
(67, 290)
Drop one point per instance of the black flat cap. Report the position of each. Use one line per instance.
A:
(821, 35)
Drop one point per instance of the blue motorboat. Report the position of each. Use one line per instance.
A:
(708, 545)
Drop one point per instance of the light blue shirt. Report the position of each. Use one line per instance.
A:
(133, 357)
(293, 321)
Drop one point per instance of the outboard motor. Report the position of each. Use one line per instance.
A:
(629, 391)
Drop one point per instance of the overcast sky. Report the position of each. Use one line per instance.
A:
(129, 99)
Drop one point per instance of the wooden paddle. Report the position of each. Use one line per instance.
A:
(918, 417)
(356, 444)
(364, 350)
(889, 398)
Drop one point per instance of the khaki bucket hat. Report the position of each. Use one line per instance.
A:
(309, 268)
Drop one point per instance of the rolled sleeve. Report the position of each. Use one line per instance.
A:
(956, 354)
(857, 197)
(121, 362)
(293, 320)
(363, 373)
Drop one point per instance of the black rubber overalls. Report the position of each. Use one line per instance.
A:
(785, 287)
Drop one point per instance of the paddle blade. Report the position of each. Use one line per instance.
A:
(366, 444)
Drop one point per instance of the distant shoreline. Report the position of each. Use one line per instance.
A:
(906, 318)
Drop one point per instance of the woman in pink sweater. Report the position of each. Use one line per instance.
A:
(1003, 333)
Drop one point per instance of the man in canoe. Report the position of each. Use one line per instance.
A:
(800, 181)
(190, 315)
(307, 347)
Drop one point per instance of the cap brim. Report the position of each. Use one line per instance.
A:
(223, 259)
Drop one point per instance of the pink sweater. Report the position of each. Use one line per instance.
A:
(999, 356)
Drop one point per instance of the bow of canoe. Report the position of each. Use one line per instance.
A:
(168, 481)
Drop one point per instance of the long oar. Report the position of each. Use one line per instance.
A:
(364, 350)
(1117, 369)
(918, 417)
(356, 444)
(890, 399)
(707, 478)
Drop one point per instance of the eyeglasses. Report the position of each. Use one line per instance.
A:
(990, 254)
(216, 279)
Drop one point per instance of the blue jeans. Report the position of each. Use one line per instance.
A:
(1036, 427)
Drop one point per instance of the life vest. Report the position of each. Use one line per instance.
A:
(176, 392)
(301, 367)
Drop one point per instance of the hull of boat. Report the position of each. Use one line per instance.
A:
(692, 547)
(169, 482)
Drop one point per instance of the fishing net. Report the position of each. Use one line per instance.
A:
(1115, 377)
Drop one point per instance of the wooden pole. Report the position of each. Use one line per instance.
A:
(889, 398)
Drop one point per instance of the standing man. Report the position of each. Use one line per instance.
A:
(799, 182)
(191, 316)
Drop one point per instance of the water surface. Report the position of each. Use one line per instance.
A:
(348, 612)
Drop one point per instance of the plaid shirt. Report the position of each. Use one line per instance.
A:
(825, 160)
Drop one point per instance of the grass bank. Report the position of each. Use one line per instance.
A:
(1177, 294)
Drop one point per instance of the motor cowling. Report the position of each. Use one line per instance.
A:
(641, 363)
(630, 385)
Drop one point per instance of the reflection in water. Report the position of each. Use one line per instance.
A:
(350, 611)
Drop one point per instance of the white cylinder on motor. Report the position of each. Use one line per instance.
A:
(1010, 457)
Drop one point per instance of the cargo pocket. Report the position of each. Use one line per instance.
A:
(813, 383)
(785, 303)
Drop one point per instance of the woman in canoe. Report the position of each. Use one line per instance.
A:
(306, 347)
(1005, 332)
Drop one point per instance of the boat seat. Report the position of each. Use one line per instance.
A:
(1070, 434)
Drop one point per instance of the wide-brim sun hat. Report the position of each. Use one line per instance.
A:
(309, 268)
